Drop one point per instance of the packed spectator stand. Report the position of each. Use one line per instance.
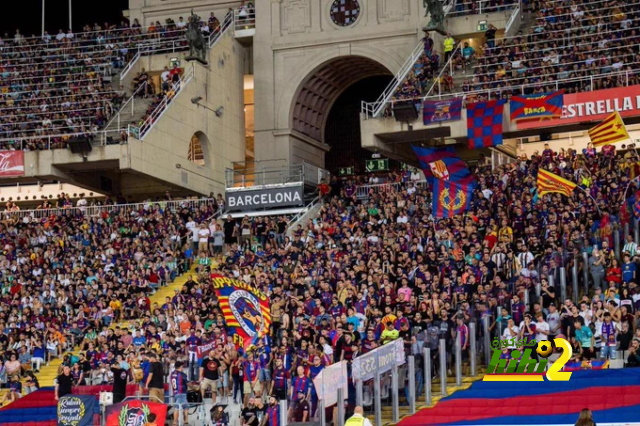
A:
(373, 253)
(578, 46)
(57, 86)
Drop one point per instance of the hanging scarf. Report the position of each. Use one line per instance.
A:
(608, 333)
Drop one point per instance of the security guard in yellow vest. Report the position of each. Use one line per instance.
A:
(449, 44)
(357, 419)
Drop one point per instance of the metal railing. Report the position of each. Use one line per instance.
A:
(139, 132)
(177, 45)
(173, 205)
(477, 8)
(447, 67)
(397, 80)
(512, 18)
(131, 101)
(261, 176)
(364, 191)
(245, 18)
(57, 139)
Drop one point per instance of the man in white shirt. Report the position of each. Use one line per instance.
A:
(203, 239)
(553, 319)
(630, 247)
(542, 328)
(181, 23)
(511, 332)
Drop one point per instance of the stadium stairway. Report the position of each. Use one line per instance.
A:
(49, 372)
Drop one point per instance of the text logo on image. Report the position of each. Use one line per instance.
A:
(518, 366)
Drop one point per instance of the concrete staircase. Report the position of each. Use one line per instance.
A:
(131, 113)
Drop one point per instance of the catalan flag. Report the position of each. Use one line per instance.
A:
(548, 182)
(611, 130)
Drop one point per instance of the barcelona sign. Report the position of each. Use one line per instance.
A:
(539, 106)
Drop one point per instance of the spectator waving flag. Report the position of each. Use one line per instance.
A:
(549, 182)
(610, 131)
(442, 163)
(484, 123)
(636, 205)
(451, 198)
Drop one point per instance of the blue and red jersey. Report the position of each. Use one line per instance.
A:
(179, 383)
(273, 415)
(301, 384)
(250, 370)
(280, 379)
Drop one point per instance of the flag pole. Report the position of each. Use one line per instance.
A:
(590, 196)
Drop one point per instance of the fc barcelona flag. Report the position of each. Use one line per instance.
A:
(442, 163)
(547, 105)
(451, 198)
(611, 130)
(246, 310)
(484, 123)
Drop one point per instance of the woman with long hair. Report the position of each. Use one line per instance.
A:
(585, 418)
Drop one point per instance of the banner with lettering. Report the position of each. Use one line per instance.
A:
(77, 410)
(540, 106)
(204, 349)
(586, 107)
(329, 380)
(11, 163)
(136, 413)
(379, 360)
(444, 110)
(246, 310)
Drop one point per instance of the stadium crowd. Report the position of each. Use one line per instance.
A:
(56, 86)
(363, 272)
(576, 46)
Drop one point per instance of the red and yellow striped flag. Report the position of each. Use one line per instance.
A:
(548, 182)
(611, 130)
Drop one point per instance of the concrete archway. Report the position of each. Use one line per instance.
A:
(323, 85)
(199, 149)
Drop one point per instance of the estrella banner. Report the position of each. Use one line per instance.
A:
(451, 198)
(246, 310)
(541, 106)
(77, 410)
(136, 413)
(484, 123)
(442, 163)
(438, 111)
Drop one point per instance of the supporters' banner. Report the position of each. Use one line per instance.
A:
(136, 413)
(11, 163)
(450, 198)
(529, 107)
(381, 359)
(587, 107)
(442, 163)
(246, 310)
(484, 123)
(204, 349)
(437, 111)
(549, 182)
(611, 130)
(77, 410)
(329, 380)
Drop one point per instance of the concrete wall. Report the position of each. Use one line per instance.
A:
(294, 38)
(149, 166)
(223, 139)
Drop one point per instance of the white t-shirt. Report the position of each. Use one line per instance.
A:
(203, 234)
(506, 335)
(542, 326)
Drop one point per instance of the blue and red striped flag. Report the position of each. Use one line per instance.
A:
(451, 198)
(442, 163)
(636, 205)
(484, 123)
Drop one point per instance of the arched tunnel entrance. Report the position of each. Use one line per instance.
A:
(327, 107)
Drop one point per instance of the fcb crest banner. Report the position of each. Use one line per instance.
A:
(529, 107)
(437, 111)
(136, 413)
(450, 198)
(246, 310)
